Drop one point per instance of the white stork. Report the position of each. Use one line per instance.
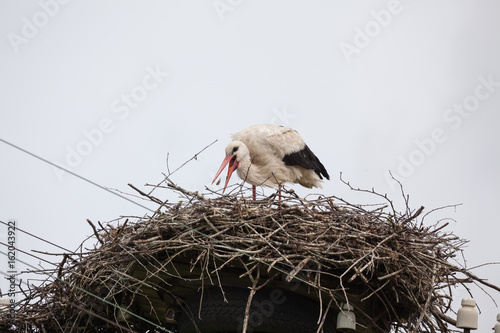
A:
(271, 155)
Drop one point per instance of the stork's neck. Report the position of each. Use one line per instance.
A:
(246, 169)
(250, 172)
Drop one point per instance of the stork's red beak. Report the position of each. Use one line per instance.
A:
(233, 164)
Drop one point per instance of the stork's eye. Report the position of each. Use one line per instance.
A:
(235, 149)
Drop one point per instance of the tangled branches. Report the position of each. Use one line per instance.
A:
(395, 271)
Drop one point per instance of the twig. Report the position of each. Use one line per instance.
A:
(186, 192)
(318, 245)
(155, 200)
(182, 165)
(95, 231)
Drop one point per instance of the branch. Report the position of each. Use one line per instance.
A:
(186, 192)
(183, 164)
(154, 199)
(95, 231)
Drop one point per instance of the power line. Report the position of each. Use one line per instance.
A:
(51, 275)
(29, 254)
(149, 209)
(22, 262)
(39, 238)
(74, 174)
(8, 275)
(84, 291)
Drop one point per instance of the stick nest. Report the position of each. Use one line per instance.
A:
(394, 270)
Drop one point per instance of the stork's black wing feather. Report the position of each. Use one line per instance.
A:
(306, 159)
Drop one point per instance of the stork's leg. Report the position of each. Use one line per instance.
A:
(254, 193)
(279, 192)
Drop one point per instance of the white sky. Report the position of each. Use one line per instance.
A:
(65, 70)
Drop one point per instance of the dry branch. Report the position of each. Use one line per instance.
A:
(393, 269)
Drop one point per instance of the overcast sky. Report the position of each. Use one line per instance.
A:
(108, 88)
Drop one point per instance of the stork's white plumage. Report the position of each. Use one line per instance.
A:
(271, 155)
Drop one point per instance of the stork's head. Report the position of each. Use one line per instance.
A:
(234, 153)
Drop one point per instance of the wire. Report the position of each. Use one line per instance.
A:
(149, 209)
(153, 211)
(8, 275)
(27, 253)
(51, 275)
(39, 238)
(17, 260)
(74, 174)
(83, 290)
